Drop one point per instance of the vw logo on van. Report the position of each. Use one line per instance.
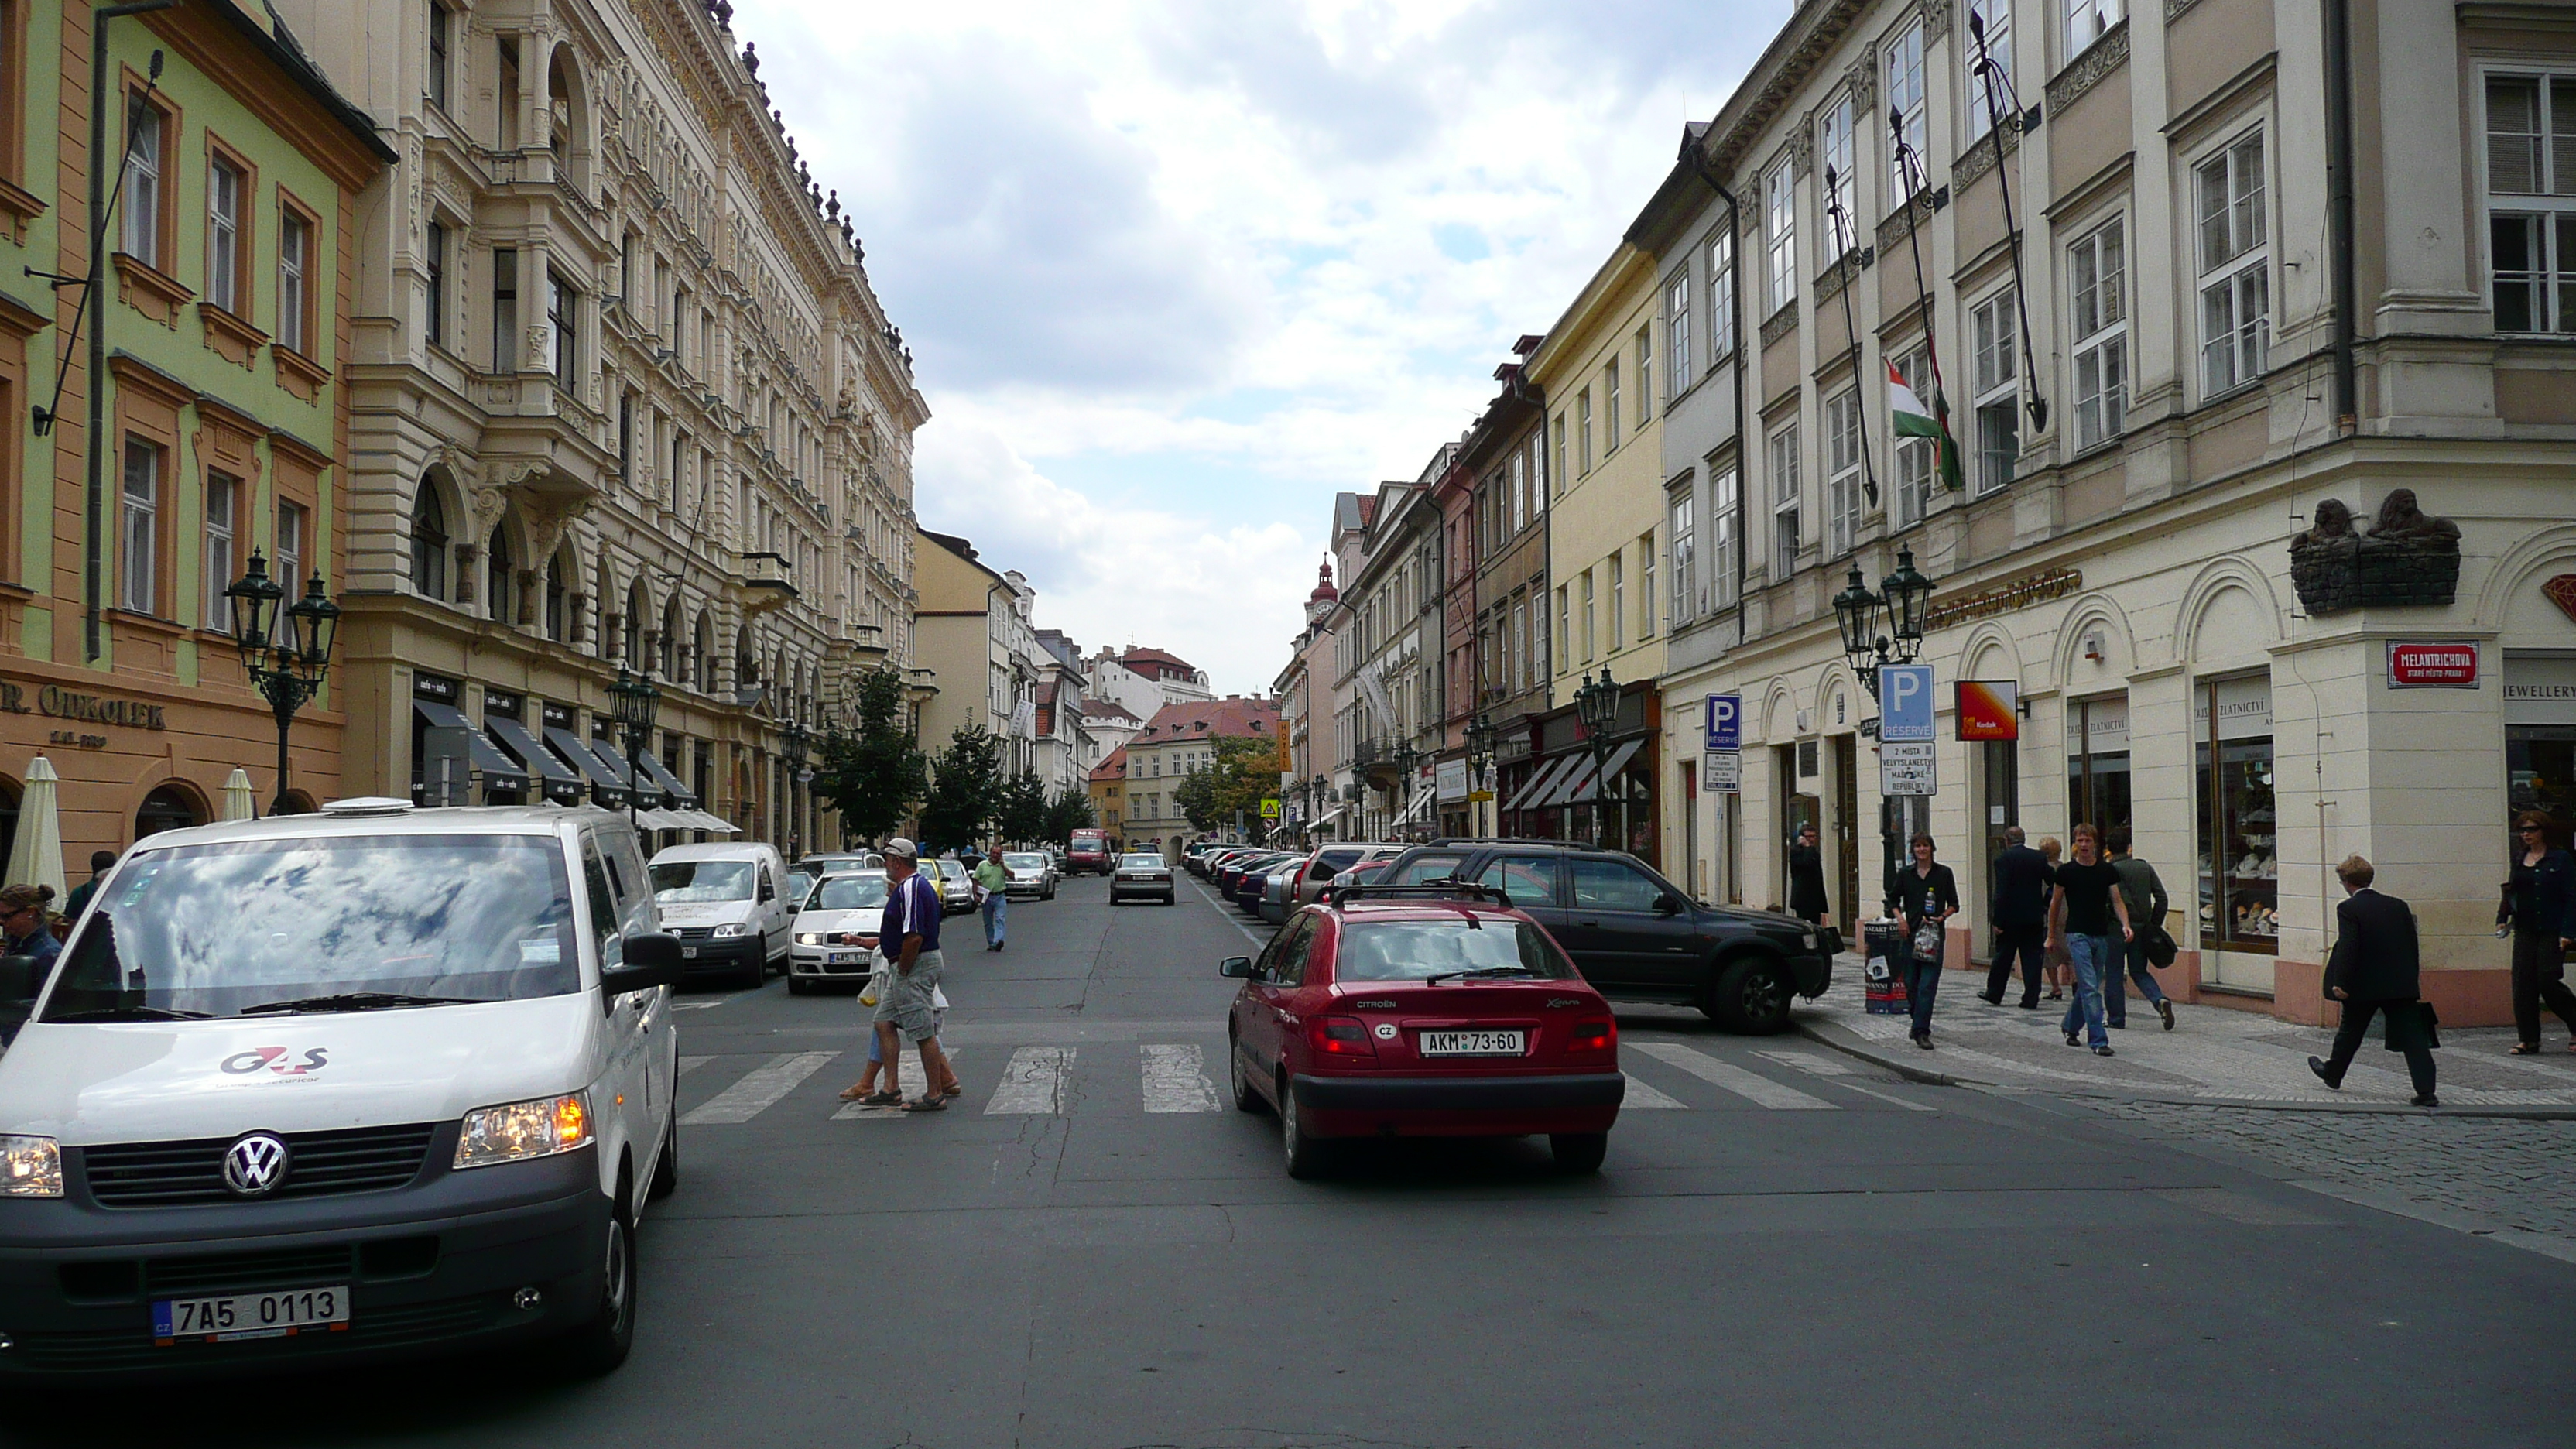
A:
(256, 1165)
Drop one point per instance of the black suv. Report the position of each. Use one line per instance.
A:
(1639, 937)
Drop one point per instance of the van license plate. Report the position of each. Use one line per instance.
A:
(688, 953)
(250, 1315)
(1472, 1043)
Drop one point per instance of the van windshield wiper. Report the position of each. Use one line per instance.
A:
(355, 1001)
(132, 1013)
(1481, 971)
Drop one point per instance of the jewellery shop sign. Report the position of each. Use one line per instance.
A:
(55, 702)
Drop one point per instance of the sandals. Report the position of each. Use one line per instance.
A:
(854, 1092)
(2529, 1049)
(882, 1099)
(927, 1104)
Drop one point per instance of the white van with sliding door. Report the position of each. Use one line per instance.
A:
(369, 1083)
(729, 905)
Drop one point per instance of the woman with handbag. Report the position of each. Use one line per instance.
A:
(2540, 906)
(2056, 963)
(1926, 895)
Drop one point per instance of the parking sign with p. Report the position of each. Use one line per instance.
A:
(1905, 707)
(1725, 724)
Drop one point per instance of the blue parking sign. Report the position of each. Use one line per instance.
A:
(1905, 707)
(1725, 727)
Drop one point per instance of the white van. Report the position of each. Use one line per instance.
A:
(369, 1083)
(728, 904)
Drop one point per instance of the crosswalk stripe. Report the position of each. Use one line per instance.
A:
(1032, 1083)
(1752, 1086)
(1642, 1097)
(1812, 1065)
(758, 1090)
(691, 1064)
(853, 1112)
(1176, 1078)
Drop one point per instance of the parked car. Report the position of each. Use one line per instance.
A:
(1427, 1012)
(233, 1150)
(1139, 876)
(1089, 853)
(1256, 882)
(1639, 937)
(1331, 860)
(836, 930)
(803, 873)
(726, 902)
(1361, 874)
(956, 886)
(1032, 874)
(1229, 876)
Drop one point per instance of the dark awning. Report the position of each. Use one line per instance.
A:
(604, 777)
(519, 740)
(497, 768)
(1619, 758)
(1535, 788)
(670, 785)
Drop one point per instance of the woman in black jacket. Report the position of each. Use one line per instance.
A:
(2540, 902)
(1923, 891)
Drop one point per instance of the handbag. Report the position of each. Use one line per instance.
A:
(1927, 942)
(874, 991)
(2161, 950)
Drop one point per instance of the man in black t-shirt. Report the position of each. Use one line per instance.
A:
(2089, 890)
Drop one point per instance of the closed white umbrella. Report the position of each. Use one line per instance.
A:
(36, 854)
(240, 802)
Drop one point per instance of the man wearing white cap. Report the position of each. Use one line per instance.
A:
(909, 934)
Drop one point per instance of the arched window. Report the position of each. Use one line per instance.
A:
(170, 807)
(670, 647)
(499, 571)
(429, 544)
(639, 617)
(704, 654)
(557, 588)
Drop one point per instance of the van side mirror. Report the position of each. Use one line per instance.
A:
(19, 980)
(1235, 966)
(652, 959)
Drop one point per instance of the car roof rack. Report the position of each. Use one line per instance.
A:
(1429, 890)
(1453, 841)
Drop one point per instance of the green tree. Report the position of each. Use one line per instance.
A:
(1245, 773)
(965, 789)
(1068, 812)
(873, 772)
(1024, 808)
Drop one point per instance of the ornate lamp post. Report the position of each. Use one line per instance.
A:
(1480, 757)
(1597, 705)
(1898, 605)
(285, 647)
(797, 739)
(635, 702)
(1407, 760)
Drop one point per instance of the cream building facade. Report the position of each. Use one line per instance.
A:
(622, 398)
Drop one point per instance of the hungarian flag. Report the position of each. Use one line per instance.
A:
(1913, 420)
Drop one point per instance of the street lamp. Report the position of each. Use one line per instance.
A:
(1597, 705)
(285, 647)
(796, 738)
(1480, 757)
(1407, 760)
(634, 702)
(1900, 604)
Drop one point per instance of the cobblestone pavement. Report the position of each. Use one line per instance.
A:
(2214, 1054)
(2491, 1175)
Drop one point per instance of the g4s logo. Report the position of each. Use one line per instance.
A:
(242, 1064)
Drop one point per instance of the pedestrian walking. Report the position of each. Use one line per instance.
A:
(2539, 907)
(1807, 878)
(2143, 891)
(909, 935)
(100, 863)
(993, 898)
(2374, 970)
(2023, 878)
(27, 927)
(867, 1092)
(1926, 895)
(2088, 897)
(2054, 962)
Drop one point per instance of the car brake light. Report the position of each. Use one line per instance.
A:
(1593, 1036)
(1339, 1036)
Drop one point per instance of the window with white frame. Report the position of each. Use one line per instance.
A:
(1610, 407)
(1995, 369)
(138, 538)
(1917, 459)
(1646, 599)
(2531, 201)
(1645, 374)
(146, 137)
(1583, 430)
(1721, 296)
(1564, 626)
(294, 281)
(1905, 104)
(1835, 198)
(2088, 21)
(215, 560)
(1526, 674)
(1591, 621)
(1784, 502)
(1996, 16)
(2098, 316)
(1685, 547)
(2235, 264)
(224, 188)
(1842, 471)
(1677, 331)
(1721, 537)
(1516, 500)
(1618, 599)
(1780, 238)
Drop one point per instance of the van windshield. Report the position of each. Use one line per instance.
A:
(210, 930)
(678, 882)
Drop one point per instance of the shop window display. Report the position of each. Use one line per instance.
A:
(2097, 763)
(2238, 821)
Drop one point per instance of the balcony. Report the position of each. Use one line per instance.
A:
(763, 583)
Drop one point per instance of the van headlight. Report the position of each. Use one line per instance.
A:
(540, 1127)
(30, 1167)
(734, 928)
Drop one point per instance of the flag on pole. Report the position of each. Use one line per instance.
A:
(1914, 420)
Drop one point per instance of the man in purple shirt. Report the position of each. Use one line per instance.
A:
(908, 934)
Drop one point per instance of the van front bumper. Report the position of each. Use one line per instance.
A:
(722, 954)
(429, 1268)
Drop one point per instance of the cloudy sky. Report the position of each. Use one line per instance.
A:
(1175, 271)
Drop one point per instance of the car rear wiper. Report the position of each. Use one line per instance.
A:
(132, 1013)
(1480, 972)
(356, 1001)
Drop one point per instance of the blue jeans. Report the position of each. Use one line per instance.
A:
(2115, 992)
(997, 918)
(2093, 955)
(1922, 981)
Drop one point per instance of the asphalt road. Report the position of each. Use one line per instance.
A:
(1796, 1250)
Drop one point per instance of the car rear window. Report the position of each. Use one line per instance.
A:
(1414, 950)
(1140, 862)
(1337, 860)
(1029, 860)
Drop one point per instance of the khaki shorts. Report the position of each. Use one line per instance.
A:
(907, 1002)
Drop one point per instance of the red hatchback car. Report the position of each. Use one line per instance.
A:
(1422, 1011)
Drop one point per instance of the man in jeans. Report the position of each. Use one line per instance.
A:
(2088, 890)
(2143, 892)
(993, 892)
(908, 934)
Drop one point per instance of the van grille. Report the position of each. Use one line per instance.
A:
(321, 1164)
(693, 933)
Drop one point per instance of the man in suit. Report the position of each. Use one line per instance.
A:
(2373, 969)
(1807, 878)
(2022, 879)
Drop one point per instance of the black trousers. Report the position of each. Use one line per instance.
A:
(2539, 976)
(2030, 943)
(2348, 1037)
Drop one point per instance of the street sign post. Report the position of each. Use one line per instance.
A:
(1905, 767)
(1721, 772)
(1725, 723)
(1269, 809)
(1905, 702)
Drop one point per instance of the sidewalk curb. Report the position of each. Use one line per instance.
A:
(1849, 1043)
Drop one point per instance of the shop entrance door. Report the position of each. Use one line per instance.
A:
(2000, 798)
(1847, 909)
